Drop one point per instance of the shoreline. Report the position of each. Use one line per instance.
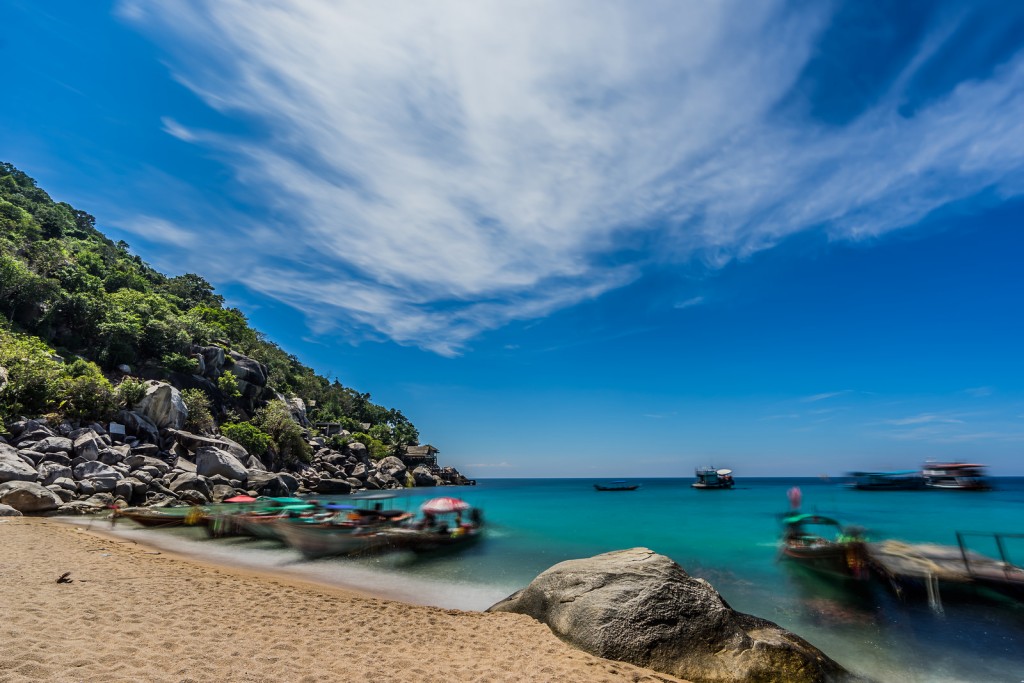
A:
(136, 612)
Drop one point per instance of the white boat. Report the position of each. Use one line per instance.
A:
(957, 476)
(712, 478)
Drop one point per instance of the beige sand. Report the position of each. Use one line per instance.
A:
(134, 613)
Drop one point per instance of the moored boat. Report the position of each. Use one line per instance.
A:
(159, 517)
(821, 544)
(712, 478)
(447, 524)
(955, 476)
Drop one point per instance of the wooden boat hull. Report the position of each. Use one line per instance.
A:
(155, 518)
(616, 488)
(315, 540)
(837, 560)
(427, 541)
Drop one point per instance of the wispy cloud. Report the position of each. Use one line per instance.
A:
(489, 464)
(825, 396)
(694, 301)
(444, 169)
(160, 231)
(924, 418)
(980, 392)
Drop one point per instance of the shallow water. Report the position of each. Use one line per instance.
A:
(727, 537)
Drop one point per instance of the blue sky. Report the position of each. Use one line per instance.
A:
(577, 238)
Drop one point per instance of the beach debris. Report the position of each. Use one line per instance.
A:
(65, 578)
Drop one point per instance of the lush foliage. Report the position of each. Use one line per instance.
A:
(285, 433)
(253, 439)
(39, 384)
(198, 404)
(64, 282)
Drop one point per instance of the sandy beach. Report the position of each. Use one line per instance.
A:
(134, 613)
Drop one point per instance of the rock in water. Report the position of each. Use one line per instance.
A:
(640, 607)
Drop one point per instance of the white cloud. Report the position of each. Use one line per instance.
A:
(824, 396)
(160, 231)
(693, 301)
(439, 169)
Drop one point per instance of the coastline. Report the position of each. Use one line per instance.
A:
(135, 612)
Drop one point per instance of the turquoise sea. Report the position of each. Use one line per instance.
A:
(727, 537)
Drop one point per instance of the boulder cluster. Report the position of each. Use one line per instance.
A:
(144, 457)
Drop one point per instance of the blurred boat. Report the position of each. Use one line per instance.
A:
(821, 544)
(158, 517)
(902, 480)
(712, 478)
(446, 524)
(957, 476)
(617, 485)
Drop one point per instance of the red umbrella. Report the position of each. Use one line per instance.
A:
(437, 506)
(240, 499)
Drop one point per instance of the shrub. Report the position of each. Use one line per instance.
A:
(253, 439)
(178, 362)
(130, 391)
(375, 448)
(86, 394)
(34, 377)
(228, 384)
(198, 404)
(276, 420)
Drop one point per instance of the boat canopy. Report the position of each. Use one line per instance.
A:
(808, 518)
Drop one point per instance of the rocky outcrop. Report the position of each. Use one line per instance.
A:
(27, 496)
(640, 607)
(163, 406)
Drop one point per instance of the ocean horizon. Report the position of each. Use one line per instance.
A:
(728, 537)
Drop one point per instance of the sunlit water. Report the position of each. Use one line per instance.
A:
(727, 537)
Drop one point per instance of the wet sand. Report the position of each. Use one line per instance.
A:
(134, 613)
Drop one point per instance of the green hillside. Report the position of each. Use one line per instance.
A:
(76, 307)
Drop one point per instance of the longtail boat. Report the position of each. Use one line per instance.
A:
(821, 544)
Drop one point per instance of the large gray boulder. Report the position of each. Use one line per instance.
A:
(135, 462)
(191, 482)
(392, 467)
(248, 370)
(267, 484)
(640, 607)
(28, 496)
(163, 405)
(13, 467)
(211, 461)
(421, 476)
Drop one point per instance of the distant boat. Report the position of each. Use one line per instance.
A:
(822, 545)
(711, 478)
(617, 485)
(902, 480)
(957, 476)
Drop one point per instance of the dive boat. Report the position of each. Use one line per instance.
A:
(617, 485)
(903, 480)
(956, 476)
(712, 478)
(821, 544)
